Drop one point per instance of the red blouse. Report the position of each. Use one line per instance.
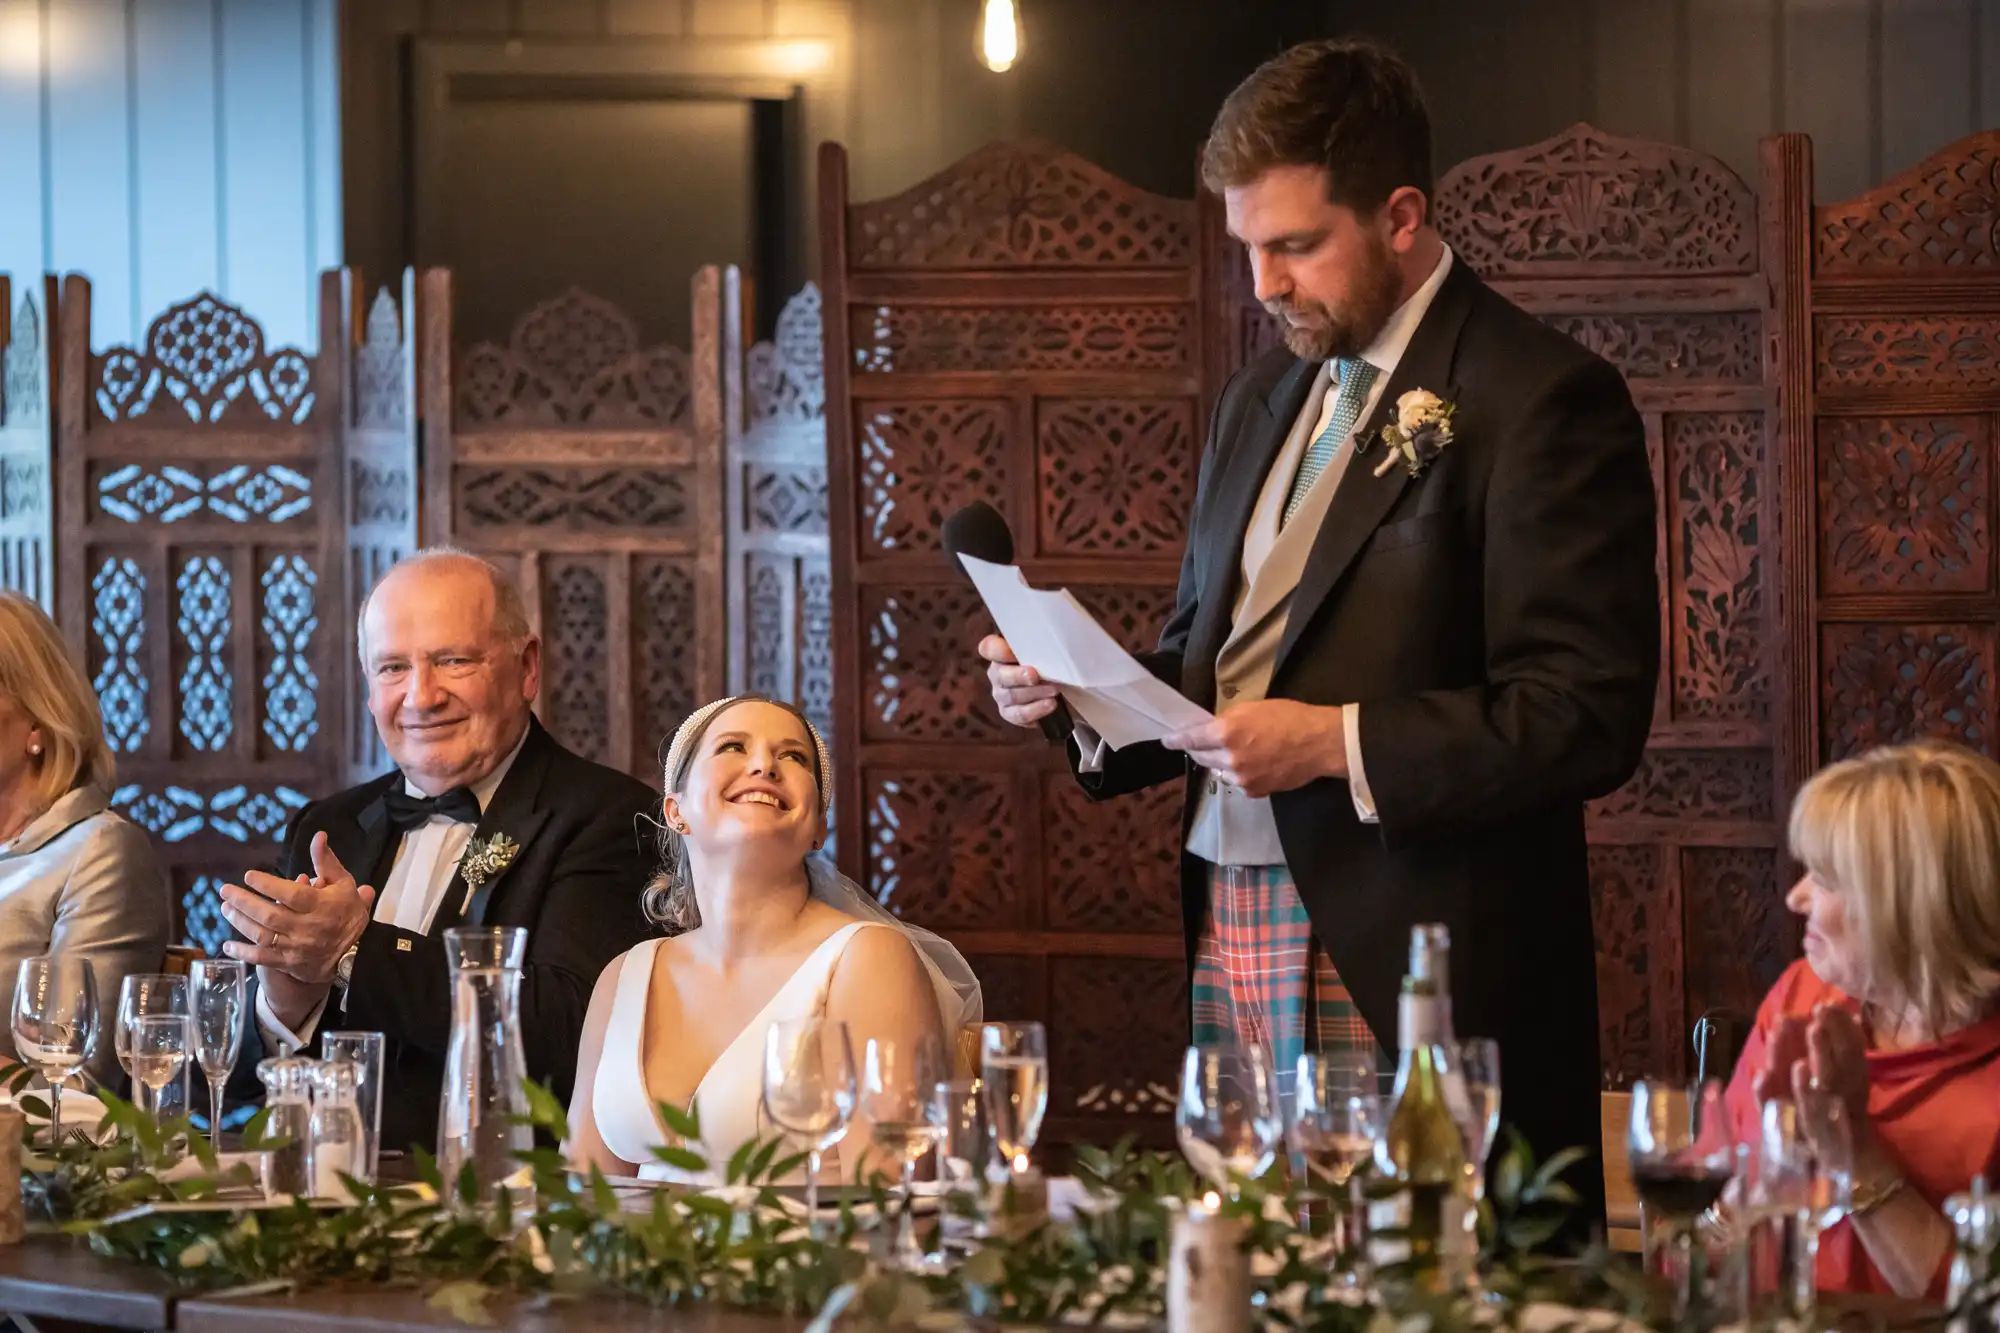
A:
(1936, 1108)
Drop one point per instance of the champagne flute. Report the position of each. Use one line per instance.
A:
(218, 995)
(1336, 1119)
(898, 1081)
(1479, 1070)
(159, 1051)
(1014, 1073)
(1682, 1158)
(1227, 1117)
(809, 1091)
(55, 1022)
(139, 994)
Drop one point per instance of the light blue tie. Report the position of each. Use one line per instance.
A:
(1356, 377)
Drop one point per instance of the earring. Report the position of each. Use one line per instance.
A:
(36, 748)
(681, 829)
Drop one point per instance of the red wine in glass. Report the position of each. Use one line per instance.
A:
(1682, 1191)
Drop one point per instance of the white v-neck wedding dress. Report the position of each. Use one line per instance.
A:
(729, 1098)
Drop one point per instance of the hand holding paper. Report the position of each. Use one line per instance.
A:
(1103, 684)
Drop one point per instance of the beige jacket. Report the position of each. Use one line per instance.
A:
(82, 878)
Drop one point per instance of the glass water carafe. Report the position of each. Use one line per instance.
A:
(288, 1082)
(485, 1067)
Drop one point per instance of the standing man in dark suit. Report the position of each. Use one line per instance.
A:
(452, 671)
(1419, 594)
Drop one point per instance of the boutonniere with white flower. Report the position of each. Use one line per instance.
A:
(1419, 433)
(483, 861)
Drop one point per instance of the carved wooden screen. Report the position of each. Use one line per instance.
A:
(590, 465)
(1652, 256)
(780, 582)
(379, 439)
(1021, 329)
(1892, 321)
(27, 434)
(201, 575)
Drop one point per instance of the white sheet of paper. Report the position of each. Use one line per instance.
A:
(1101, 682)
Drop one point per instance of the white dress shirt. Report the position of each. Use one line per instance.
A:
(1385, 353)
(426, 863)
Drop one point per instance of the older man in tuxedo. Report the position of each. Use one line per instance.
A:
(349, 932)
(1419, 595)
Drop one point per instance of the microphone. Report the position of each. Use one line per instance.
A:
(979, 530)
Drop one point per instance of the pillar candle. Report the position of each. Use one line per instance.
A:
(1208, 1273)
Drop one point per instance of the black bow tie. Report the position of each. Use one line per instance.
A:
(407, 812)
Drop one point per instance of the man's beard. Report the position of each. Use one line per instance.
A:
(1348, 332)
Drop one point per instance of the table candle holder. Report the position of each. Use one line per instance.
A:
(1208, 1272)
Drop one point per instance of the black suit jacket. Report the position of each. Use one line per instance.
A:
(575, 885)
(1498, 620)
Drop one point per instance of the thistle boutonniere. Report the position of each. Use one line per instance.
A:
(1419, 433)
(483, 861)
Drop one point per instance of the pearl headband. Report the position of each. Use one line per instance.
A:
(677, 753)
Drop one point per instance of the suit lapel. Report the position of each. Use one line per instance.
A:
(513, 811)
(365, 849)
(1364, 499)
(1268, 419)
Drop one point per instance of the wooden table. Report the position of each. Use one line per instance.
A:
(58, 1286)
(375, 1310)
(53, 1277)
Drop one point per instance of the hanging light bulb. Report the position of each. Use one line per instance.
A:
(999, 34)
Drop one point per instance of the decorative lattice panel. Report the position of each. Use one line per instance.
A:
(958, 372)
(204, 568)
(590, 465)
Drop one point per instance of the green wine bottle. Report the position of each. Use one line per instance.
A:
(1422, 1153)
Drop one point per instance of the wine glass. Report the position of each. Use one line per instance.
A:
(809, 1091)
(1014, 1072)
(159, 1051)
(139, 994)
(55, 1022)
(1802, 1167)
(218, 995)
(898, 1083)
(1227, 1118)
(1336, 1119)
(1479, 1070)
(1682, 1157)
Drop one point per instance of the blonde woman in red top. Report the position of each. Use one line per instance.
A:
(1893, 1007)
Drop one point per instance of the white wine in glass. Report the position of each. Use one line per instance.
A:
(1014, 1072)
(159, 1051)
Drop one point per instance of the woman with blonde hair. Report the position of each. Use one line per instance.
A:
(1893, 1009)
(766, 931)
(75, 876)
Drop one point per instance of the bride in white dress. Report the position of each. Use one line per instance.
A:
(767, 931)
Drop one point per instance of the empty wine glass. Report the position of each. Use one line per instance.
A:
(1014, 1074)
(1227, 1117)
(1336, 1119)
(217, 994)
(55, 1022)
(809, 1091)
(139, 994)
(159, 1052)
(1802, 1173)
(1479, 1070)
(1682, 1158)
(898, 1080)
